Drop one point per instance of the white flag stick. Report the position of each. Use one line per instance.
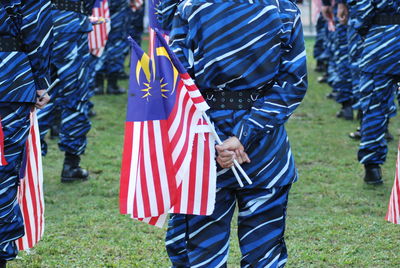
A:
(237, 165)
(50, 87)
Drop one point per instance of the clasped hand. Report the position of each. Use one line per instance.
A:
(42, 98)
(230, 150)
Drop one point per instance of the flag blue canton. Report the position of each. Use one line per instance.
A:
(152, 87)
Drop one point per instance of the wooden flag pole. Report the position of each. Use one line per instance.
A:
(237, 165)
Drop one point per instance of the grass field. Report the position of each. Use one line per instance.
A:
(334, 219)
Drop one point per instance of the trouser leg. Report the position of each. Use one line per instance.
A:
(377, 93)
(261, 226)
(208, 236)
(175, 241)
(75, 125)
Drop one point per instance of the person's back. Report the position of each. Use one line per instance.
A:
(248, 60)
(236, 44)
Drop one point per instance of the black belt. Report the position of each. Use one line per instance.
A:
(232, 100)
(10, 43)
(386, 19)
(78, 7)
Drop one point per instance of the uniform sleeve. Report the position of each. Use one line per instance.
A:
(37, 37)
(180, 43)
(364, 14)
(288, 90)
(165, 13)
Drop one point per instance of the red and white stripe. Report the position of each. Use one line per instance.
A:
(3, 161)
(196, 193)
(156, 157)
(393, 212)
(99, 36)
(30, 192)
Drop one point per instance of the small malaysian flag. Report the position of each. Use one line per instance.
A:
(3, 161)
(30, 191)
(99, 36)
(393, 212)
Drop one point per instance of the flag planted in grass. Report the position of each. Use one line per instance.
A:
(164, 110)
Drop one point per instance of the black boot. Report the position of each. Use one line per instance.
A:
(332, 95)
(356, 135)
(388, 136)
(3, 263)
(71, 169)
(112, 86)
(99, 84)
(320, 67)
(122, 75)
(346, 112)
(54, 131)
(373, 174)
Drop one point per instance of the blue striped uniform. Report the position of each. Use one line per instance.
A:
(243, 45)
(380, 70)
(319, 50)
(117, 46)
(21, 74)
(70, 63)
(344, 84)
(135, 26)
(355, 41)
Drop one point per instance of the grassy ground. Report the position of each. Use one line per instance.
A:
(334, 220)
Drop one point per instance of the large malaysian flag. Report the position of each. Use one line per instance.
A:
(159, 161)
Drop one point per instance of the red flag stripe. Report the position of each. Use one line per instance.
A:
(126, 168)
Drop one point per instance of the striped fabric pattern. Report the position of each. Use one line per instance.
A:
(98, 37)
(381, 46)
(3, 161)
(30, 192)
(31, 22)
(393, 212)
(234, 59)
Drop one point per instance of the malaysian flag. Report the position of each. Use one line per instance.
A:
(3, 161)
(30, 192)
(393, 212)
(164, 108)
(98, 37)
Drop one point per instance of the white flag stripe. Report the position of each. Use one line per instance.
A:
(139, 196)
(134, 168)
(177, 120)
(212, 181)
(199, 171)
(149, 173)
(161, 166)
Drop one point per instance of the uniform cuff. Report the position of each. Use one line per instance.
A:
(42, 83)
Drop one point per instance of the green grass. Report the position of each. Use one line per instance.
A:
(334, 219)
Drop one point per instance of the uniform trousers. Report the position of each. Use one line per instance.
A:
(203, 241)
(70, 59)
(377, 94)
